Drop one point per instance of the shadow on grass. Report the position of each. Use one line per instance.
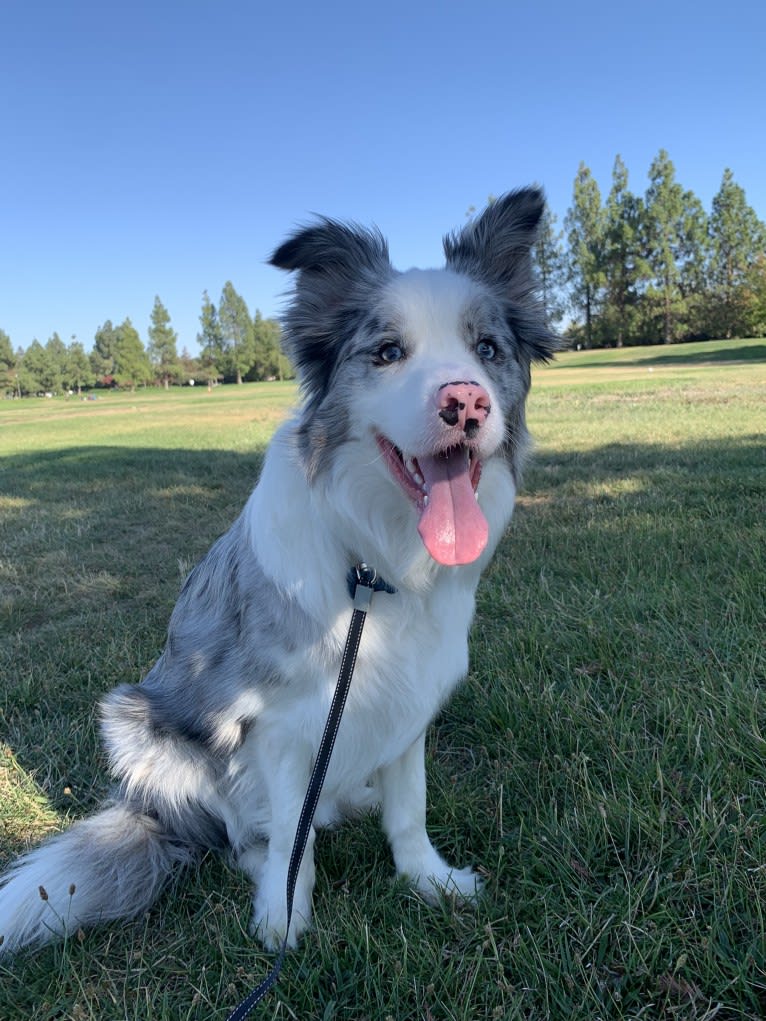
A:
(722, 460)
(97, 540)
(95, 544)
(737, 353)
(86, 463)
(619, 599)
(646, 560)
(102, 486)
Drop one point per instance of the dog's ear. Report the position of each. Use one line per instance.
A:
(497, 244)
(333, 250)
(338, 267)
(496, 248)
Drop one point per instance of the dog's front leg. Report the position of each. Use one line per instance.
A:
(403, 794)
(286, 777)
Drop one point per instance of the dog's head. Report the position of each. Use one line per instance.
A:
(427, 370)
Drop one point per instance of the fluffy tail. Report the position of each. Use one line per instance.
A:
(112, 865)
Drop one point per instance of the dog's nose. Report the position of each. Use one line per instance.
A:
(464, 404)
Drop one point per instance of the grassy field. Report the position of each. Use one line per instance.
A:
(604, 762)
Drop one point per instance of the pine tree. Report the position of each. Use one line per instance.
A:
(692, 260)
(624, 267)
(162, 351)
(55, 351)
(78, 371)
(269, 362)
(131, 364)
(32, 369)
(102, 358)
(664, 214)
(40, 368)
(237, 336)
(755, 299)
(210, 341)
(584, 224)
(8, 373)
(549, 260)
(738, 240)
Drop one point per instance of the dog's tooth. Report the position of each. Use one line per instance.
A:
(418, 478)
(409, 464)
(425, 500)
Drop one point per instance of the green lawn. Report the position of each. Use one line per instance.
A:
(604, 763)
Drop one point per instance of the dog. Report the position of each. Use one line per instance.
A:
(405, 452)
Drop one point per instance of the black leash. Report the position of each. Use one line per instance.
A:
(362, 582)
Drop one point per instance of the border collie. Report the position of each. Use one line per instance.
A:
(405, 453)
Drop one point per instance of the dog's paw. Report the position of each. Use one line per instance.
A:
(269, 924)
(461, 885)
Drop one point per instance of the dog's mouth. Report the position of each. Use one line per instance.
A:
(443, 487)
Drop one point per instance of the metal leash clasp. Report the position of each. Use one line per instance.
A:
(365, 586)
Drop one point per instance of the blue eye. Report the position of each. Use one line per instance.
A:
(390, 353)
(486, 350)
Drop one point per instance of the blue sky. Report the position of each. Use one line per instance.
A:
(166, 147)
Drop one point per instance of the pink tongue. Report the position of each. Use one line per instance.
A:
(452, 526)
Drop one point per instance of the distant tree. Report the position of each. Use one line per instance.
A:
(78, 371)
(131, 364)
(40, 367)
(8, 362)
(692, 260)
(102, 357)
(279, 365)
(674, 222)
(624, 267)
(33, 369)
(269, 361)
(19, 356)
(550, 261)
(237, 336)
(210, 341)
(755, 299)
(584, 224)
(188, 365)
(162, 345)
(208, 369)
(55, 351)
(738, 242)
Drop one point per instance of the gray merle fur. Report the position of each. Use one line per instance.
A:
(179, 737)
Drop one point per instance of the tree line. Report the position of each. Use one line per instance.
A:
(653, 268)
(633, 269)
(234, 347)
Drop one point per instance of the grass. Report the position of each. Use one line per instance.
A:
(604, 762)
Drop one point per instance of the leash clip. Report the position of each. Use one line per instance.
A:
(362, 580)
(366, 577)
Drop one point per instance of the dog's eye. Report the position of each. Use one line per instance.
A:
(486, 350)
(390, 352)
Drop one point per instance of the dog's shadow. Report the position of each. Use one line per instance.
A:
(96, 542)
